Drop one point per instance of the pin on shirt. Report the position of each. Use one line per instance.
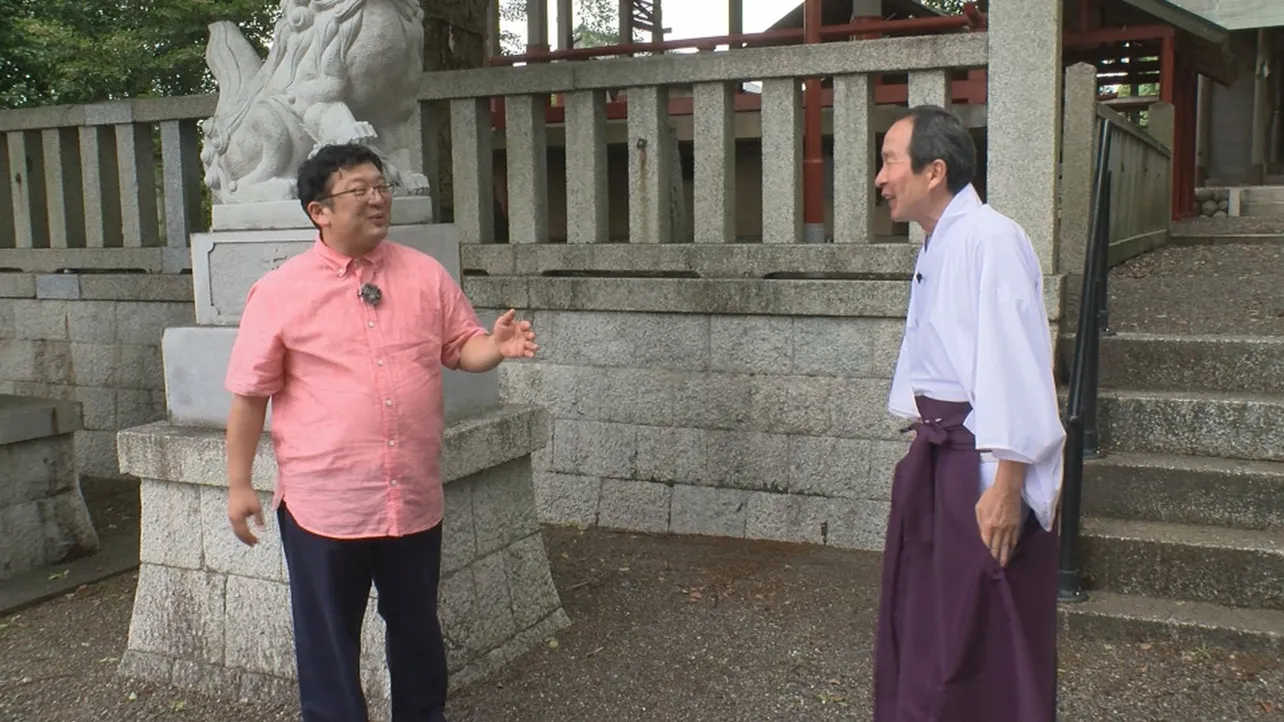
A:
(370, 294)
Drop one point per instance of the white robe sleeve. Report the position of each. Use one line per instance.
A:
(900, 402)
(1014, 401)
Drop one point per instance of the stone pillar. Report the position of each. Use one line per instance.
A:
(1078, 166)
(1024, 118)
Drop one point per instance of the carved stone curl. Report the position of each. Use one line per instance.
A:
(338, 71)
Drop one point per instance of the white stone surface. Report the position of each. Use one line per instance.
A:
(338, 71)
(226, 263)
(196, 358)
(286, 215)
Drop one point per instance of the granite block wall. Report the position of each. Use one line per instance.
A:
(93, 338)
(763, 427)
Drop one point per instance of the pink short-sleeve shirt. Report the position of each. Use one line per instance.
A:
(357, 411)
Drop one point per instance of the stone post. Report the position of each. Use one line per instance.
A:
(1024, 118)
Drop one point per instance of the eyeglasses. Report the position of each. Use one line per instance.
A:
(363, 192)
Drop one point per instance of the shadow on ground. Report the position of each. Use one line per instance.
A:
(672, 629)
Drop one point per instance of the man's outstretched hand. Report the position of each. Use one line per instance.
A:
(513, 338)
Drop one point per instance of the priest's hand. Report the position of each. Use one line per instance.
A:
(514, 339)
(998, 512)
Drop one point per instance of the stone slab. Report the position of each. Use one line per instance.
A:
(195, 359)
(285, 215)
(25, 417)
(226, 263)
(194, 455)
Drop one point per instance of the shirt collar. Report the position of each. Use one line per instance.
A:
(341, 264)
(963, 203)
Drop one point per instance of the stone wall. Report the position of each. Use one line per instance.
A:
(93, 338)
(214, 615)
(729, 407)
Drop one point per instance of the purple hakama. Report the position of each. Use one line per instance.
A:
(960, 638)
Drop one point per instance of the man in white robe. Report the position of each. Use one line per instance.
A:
(967, 624)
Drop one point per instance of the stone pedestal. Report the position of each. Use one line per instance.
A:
(43, 519)
(214, 615)
(230, 258)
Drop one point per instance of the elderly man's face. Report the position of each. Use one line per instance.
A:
(906, 192)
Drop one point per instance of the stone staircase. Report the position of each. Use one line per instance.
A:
(1183, 516)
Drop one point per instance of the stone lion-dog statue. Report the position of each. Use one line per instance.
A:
(338, 71)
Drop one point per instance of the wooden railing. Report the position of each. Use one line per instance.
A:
(1140, 163)
(1140, 189)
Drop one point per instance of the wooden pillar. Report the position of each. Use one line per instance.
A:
(813, 162)
(565, 25)
(735, 19)
(626, 22)
(537, 26)
(1203, 128)
(1259, 140)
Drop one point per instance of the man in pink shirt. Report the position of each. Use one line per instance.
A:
(348, 340)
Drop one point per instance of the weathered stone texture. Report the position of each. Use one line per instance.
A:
(209, 608)
(43, 518)
(759, 426)
(95, 339)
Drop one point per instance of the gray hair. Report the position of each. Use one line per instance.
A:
(938, 134)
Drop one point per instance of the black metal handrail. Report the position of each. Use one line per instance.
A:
(1081, 407)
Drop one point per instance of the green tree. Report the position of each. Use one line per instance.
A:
(73, 51)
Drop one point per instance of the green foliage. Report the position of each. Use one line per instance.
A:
(79, 51)
(950, 7)
(597, 24)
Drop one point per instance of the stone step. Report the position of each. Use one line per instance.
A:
(1231, 567)
(1263, 194)
(1185, 490)
(1216, 424)
(1263, 209)
(1132, 618)
(1170, 362)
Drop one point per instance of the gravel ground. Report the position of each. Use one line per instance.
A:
(664, 629)
(1228, 289)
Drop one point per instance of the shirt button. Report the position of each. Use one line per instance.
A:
(370, 324)
(393, 482)
(379, 362)
(392, 442)
(387, 402)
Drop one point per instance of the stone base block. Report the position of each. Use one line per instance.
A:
(284, 215)
(43, 518)
(213, 615)
(195, 360)
(226, 263)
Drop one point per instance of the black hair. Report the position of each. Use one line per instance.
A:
(316, 174)
(938, 134)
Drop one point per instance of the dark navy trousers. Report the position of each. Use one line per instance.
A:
(329, 586)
